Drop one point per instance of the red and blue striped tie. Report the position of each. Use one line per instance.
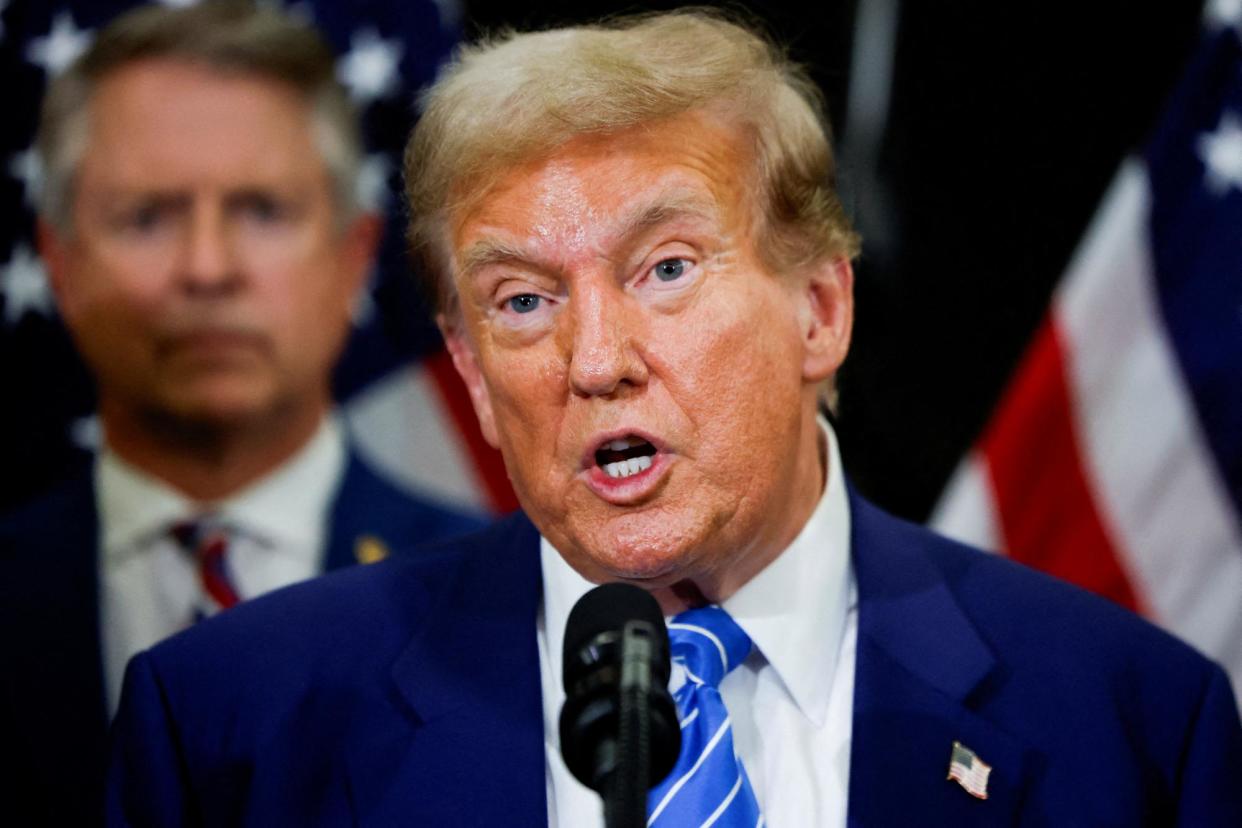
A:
(208, 542)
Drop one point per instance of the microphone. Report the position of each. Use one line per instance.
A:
(619, 730)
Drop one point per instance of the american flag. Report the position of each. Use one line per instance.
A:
(1115, 457)
(408, 412)
(969, 771)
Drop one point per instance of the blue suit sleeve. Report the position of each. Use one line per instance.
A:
(1211, 773)
(148, 784)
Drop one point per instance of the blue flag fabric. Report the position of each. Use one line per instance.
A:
(1194, 163)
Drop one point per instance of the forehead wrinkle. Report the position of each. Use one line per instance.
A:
(663, 208)
(562, 199)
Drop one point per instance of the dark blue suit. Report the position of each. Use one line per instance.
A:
(408, 693)
(53, 720)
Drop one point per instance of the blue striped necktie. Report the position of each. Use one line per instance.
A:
(708, 785)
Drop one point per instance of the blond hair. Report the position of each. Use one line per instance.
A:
(519, 96)
(230, 36)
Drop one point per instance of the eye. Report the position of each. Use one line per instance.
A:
(261, 208)
(523, 303)
(143, 218)
(670, 269)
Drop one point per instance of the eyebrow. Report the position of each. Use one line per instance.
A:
(490, 251)
(667, 210)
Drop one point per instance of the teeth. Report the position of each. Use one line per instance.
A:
(627, 468)
(624, 443)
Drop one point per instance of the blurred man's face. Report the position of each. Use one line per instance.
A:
(651, 384)
(205, 279)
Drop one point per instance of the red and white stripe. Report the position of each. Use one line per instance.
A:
(1094, 466)
(417, 426)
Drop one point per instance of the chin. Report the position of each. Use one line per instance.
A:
(221, 407)
(648, 556)
(646, 570)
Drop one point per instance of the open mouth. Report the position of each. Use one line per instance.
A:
(625, 457)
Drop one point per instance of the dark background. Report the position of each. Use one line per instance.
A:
(1006, 124)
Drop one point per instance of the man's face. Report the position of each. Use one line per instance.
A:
(205, 278)
(651, 385)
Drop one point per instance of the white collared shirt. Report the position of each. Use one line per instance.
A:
(150, 586)
(791, 701)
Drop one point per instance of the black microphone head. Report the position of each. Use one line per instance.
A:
(616, 658)
(604, 610)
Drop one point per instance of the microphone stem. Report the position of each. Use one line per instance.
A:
(625, 804)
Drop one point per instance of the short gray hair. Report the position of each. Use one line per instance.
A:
(519, 96)
(226, 35)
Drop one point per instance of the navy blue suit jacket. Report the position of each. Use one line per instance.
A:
(53, 717)
(408, 693)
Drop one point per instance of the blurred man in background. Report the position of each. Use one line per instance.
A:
(202, 233)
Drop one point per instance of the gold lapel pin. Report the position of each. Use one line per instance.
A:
(369, 549)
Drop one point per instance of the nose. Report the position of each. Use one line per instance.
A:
(604, 357)
(209, 261)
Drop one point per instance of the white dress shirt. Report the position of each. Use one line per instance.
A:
(791, 701)
(150, 586)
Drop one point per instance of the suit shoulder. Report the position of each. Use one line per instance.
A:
(71, 501)
(48, 549)
(1018, 608)
(998, 588)
(1087, 694)
(368, 608)
(315, 655)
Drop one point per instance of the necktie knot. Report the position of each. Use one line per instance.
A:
(708, 643)
(708, 785)
(208, 541)
(194, 534)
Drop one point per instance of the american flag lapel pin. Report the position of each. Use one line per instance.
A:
(969, 771)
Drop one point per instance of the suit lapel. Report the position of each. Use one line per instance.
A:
(463, 742)
(361, 502)
(922, 670)
(370, 516)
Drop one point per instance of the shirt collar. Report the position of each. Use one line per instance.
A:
(794, 610)
(287, 507)
(134, 507)
(290, 505)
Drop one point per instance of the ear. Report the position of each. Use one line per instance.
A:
(827, 318)
(467, 364)
(358, 245)
(52, 251)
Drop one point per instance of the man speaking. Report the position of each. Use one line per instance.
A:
(644, 279)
